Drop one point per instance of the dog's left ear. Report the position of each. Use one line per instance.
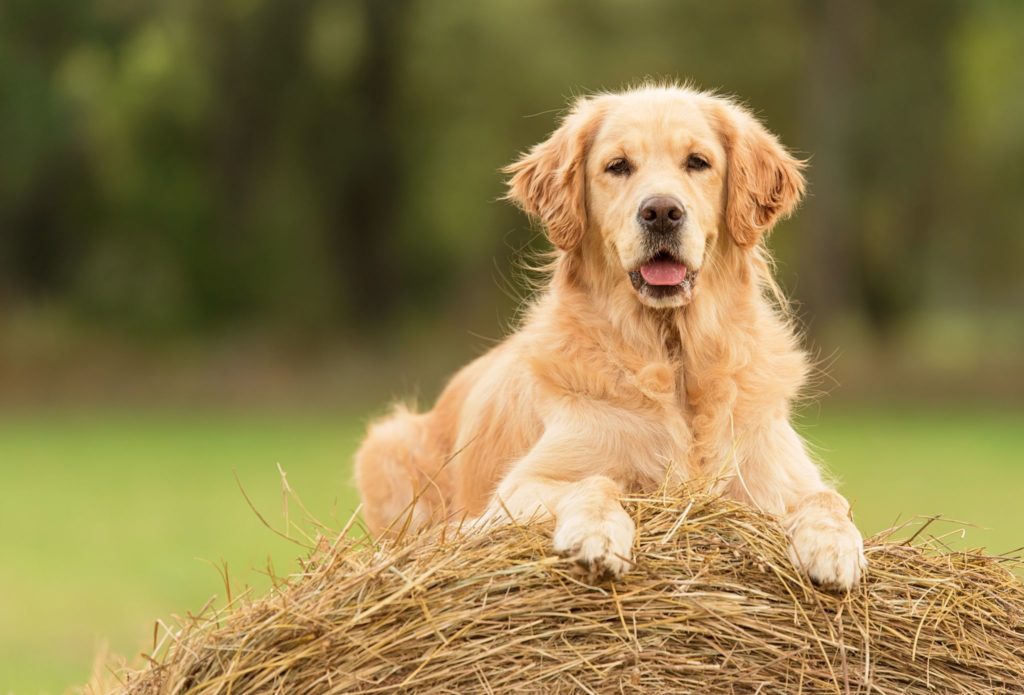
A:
(549, 181)
(764, 181)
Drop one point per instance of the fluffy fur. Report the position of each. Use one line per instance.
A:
(605, 388)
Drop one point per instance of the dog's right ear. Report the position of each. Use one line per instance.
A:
(549, 181)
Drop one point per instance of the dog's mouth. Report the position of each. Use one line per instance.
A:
(663, 276)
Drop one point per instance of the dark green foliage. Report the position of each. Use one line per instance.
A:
(178, 166)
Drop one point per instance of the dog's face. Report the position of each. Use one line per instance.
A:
(647, 180)
(655, 175)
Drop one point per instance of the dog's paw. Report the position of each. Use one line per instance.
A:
(827, 546)
(600, 548)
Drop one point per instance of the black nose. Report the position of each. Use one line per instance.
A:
(661, 214)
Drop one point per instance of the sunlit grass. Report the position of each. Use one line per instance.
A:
(112, 519)
(897, 463)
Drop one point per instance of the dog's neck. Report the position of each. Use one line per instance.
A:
(689, 336)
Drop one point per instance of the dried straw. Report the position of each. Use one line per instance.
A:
(713, 606)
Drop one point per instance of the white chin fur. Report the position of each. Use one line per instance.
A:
(670, 302)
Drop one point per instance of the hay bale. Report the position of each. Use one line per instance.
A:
(712, 606)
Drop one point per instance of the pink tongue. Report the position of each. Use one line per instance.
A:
(663, 272)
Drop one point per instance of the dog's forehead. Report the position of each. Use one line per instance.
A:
(657, 120)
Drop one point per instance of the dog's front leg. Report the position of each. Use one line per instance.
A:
(552, 481)
(776, 473)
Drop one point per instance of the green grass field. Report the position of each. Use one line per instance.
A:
(111, 520)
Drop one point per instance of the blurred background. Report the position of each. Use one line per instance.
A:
(231, 231)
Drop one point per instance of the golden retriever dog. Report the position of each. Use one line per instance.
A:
(659, 351)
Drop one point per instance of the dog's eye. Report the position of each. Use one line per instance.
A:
(619, 167)
(697, 162)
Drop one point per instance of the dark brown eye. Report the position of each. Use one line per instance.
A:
(619, 167)
(697, 162)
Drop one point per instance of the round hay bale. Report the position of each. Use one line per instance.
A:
(713, 605)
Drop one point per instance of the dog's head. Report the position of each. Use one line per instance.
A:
(646, 181)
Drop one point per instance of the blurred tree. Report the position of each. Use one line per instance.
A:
(360, 179)
(904, 166)
(829, 221)
(44, 175)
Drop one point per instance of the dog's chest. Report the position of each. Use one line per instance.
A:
(662, 385)
(665, 439)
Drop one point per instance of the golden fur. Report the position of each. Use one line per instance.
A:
(604, 389)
